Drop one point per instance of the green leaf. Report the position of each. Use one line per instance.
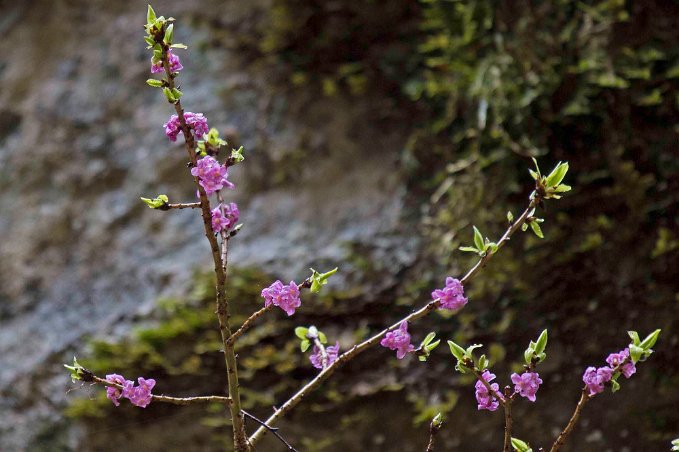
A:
(635, 352)
(301, 332)
(493, 247)
(176, 93)
(650, 340)
(76, 370)
(510, 217)
(430, 337)
(533, 174)
(422, 357)
(237, 155)
(468, 249)
(536, 229)
(457, 351)
(469, 353)
(557, 174)
(304, 345)
(437, 421)
(155, 83)
(528, 355)
(178, 46)
(322, 338)
(320, 279)
(478, 239)
(635, 337)
(169, 34)
(168, 95)
(149, 40)
(541, 342)
(483, 362)
(562, 188)
(433, 345)
(150, 15)
(524, 227)
(157, 202)
(537, 168)
(615, 386)
(520, 446)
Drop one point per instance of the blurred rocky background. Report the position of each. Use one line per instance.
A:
(376, 133)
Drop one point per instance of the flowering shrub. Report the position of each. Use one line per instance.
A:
(210, 172)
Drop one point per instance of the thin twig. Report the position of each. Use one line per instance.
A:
(584, 397)
(166, 399)
(434, 428)
(324, 354)
(508, 421)
(273, 430)
(187, 205)
(358, 349)
(223, 309)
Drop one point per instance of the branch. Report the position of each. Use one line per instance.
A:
(434, 428)
(188, 205)
(223, 309)
(358, 349)
(89, 377)
(273, 430)
(507, 447)
(584, 397)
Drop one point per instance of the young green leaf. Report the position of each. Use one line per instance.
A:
(557, 174)
(433, 345)
(320, 279)
(535, 226)
(430, 337)
(304, 345)
(457, 351)
(322, 338)
(150, 15)
(510, 217)
(169, 34)
(469, 249)
(650, 340)
(155, 83)
(478, 239)
(301, 332)
(541, 342)
(520, 446)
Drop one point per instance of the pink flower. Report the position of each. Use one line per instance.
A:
(452, 296)
(224, 221)
(172, 59)
(141, 395)
(526, 384)
(317, 359)
(195, 121)
(285, 297)
(112, 393)
(596, 378)
(485, 399)
(398, 340)
(615, 359)
(211, 175)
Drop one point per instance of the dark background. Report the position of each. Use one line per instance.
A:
(376, 133)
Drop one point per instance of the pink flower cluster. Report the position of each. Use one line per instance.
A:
(317, 359)
(398, 340)
(223, 221)
(595, 379)
(485, 399)
(138, 395)
(211, 175)
(173, 61)
(526, 384)
(195, 121)
(285, 297)
(452, 296)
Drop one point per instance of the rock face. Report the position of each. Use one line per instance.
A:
(81, 139)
